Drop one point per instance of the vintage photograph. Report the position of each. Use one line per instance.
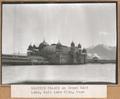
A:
(44, 43)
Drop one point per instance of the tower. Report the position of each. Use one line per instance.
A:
(79, 48)
(58, 52)
(72, 52)
(84, 52)
(78, 53)
(29, 50)
(72, 46)
(42, 45)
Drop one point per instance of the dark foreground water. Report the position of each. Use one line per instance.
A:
(59, 73)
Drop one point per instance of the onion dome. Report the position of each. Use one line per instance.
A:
(59, 45)
(79, 45)
(84, 50)
(34, 46)
(72, 44)
(30, 47)
(44, 43)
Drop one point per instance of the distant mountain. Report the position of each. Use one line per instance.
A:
(102, 52)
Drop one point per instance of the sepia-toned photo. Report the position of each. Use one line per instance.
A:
(72, 43)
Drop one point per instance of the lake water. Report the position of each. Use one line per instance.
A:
(59, 73)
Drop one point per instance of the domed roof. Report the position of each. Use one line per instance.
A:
(84, 50)
(79, 45)
(72, 44)
(30, 47)
(58, 45)
(44, 42)
(34, 46)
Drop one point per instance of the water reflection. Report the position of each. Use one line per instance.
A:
(64, 73)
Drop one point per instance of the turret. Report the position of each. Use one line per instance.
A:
(58, 52)
(84, 51)
(45, 43)
(42, 45)
(30, 47)
(72, 44)
(79, 48)
(29, 50)
(79, 45)
(72, 52)
(59, 45)
(34, 46)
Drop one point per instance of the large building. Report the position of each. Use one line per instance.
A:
(58, 53)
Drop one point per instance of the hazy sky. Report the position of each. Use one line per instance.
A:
(88, 24)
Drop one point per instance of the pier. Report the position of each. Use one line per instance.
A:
(22, 60)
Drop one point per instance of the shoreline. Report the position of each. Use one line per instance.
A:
(37, 64)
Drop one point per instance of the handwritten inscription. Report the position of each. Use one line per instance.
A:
(58, 91)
